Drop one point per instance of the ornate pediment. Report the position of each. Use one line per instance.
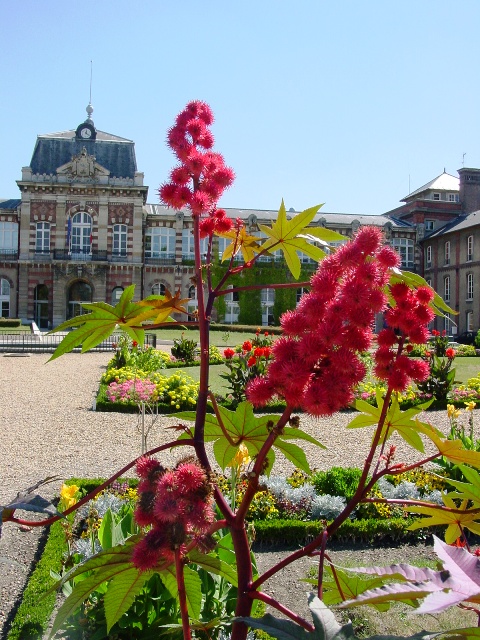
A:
(83, 166)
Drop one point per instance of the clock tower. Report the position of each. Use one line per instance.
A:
(86, 130)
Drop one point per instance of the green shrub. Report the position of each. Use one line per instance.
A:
(10, 322)
(465, 350)
(337, 481)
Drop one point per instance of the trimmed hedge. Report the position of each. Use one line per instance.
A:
(10, 322)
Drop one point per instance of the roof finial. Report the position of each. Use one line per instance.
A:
(89, 107)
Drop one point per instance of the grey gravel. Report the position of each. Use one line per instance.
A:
(48, 427)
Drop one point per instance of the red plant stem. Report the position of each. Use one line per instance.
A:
(259, 595)
(474, 609)
(321, 563)
(92, 494)
(182, 595)
(220, 421)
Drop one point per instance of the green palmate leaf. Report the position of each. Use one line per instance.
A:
(193, 588)
(346, 586)
(457, 519)
(101, 322)
(121, 593)
(242, 426)
(467, 490)
(286, 235)
(326, 627)
(214, 564)
(414, 280)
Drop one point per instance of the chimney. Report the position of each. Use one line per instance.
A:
(469, 189)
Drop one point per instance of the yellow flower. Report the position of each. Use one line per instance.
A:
(242, 457)
(452, 412)
(470, 405)
(68, 495)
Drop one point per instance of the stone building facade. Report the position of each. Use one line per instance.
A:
(82, 231)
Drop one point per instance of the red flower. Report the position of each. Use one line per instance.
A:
(134, 344)
(229, 353)
(247, 345)
(266, 333)
(258, 352)
(450, 353)
(267, 352)
(435, 332)
(251, 361)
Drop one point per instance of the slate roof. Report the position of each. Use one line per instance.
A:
(459, 224)
(331, 219)
(443, 182)
(13, 203)
(53, 150)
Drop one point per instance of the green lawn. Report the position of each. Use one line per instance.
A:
(220, 339)
(466, 368)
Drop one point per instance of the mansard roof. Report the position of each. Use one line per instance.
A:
(329, 219)
(53, 150)
(13, 203)
(443, 182)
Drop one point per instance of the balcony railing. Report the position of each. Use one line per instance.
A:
(8, 254)
(163, 258)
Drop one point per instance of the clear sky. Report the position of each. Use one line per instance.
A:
(344, 102)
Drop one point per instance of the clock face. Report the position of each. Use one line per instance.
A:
(86, 133)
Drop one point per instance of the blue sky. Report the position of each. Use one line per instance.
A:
(343, 102)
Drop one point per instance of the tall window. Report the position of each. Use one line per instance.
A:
(469, 286)
(448, 324)
(160, 243)
(469, 248)
(158, 289)
(79, 231)
(232, 308)
(300, 293)
(429, 225)
(192, 303)
(447, 252)
(40, 304)
(4, 298)
(119, 247)
(404, 246)
(446, 288)
(42, 238)
(188, 248)
(78, 292)
(8, 238)
(469, 320)
(428, 256)
(267, 299)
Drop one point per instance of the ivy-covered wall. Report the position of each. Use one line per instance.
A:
(250, 301)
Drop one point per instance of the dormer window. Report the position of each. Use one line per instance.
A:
(453, 197)
(436, 196)
(429, 225)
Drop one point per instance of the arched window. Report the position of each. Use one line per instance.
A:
(116, 295)
(158, 289)
(446, 288)
(78, 292)
(447, 252)
(469, 248)
(192, 304)
(469, 320)
(469, 286)
(4, 298)
(119, 246)
(80, 244)
(40, 304)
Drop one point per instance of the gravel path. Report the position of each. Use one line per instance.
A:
(47, 427)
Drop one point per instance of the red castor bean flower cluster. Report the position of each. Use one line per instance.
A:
(316, 364)
(177, 503)
(407, 321)
(202, 176)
